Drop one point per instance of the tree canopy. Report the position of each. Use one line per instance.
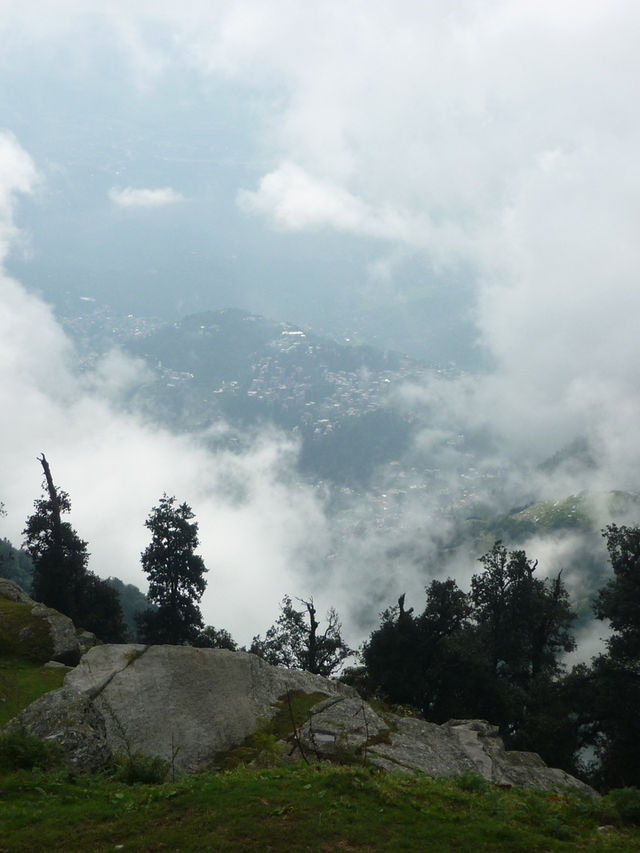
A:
(491, 653)
(61, 578)
(294, 640)
(612, 684)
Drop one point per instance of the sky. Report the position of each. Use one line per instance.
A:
(362, 168)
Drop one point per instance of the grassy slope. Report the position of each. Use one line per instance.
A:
(299, 809)
(22, 681)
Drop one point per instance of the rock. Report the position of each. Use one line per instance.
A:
(37, 631)
(87, 640)
(66, 647)
(167, 701)
(13, 592)
(194, 704)
(70, 719)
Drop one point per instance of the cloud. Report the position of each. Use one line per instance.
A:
(18, 174)
(260, 526)
(497, 138)
(131, 197)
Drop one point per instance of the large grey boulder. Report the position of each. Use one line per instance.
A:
(191, 705)
(180, 703)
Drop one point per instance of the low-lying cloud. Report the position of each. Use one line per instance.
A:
(498, 138)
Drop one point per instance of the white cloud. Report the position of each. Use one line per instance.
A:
(260, 526)
(18, 174)
(132, 197)
(500, 134)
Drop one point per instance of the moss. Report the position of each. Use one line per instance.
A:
(265, 747)
(22, 633)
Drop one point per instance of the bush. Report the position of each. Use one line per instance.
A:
(20, 750)
(141, 769)
(626, 803)
(472, 782)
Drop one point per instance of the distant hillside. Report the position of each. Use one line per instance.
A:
(587, 511)
(248, 370)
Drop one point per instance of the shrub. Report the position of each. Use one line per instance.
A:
(20, 750)
(626, 802)
(472, 782)
(141, 769)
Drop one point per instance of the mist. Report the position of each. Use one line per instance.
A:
(341, 166)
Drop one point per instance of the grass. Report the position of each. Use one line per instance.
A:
(22, 681)
(300, 808)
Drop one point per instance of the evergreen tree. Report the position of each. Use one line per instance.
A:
(424, 661)
(492, 654)
(614, 679)
(175, 573)
(60, 576)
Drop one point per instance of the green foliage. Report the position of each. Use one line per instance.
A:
(59, 556)
(20, 750)
(492, 654)
(141, 769)
(619, 600)
(295, 642)
(16, 565)
(215, 638)
(60, 576)
(261, 749)
(612, 683)
(626, 804)
(298, 809)
(175, 573)
(266, 745)
(132, 601)
(472, 783)
(410, 660)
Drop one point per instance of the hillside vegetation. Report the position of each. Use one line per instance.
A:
(301, 808)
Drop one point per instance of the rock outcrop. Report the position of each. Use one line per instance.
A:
(37, 631)
(393, 743)
(190, 705)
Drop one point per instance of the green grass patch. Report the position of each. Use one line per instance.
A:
(22, 681)
(299, 808)
(24, 634)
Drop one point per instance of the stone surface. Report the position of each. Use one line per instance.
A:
(194, 704)
(70, 719)
(346, 727)
(63, 644)
(11, 590)
(158, 699)
(66, 646)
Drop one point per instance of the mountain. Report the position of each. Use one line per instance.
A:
(249, 370)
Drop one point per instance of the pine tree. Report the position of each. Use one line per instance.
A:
(60, 576)
(175, 573)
